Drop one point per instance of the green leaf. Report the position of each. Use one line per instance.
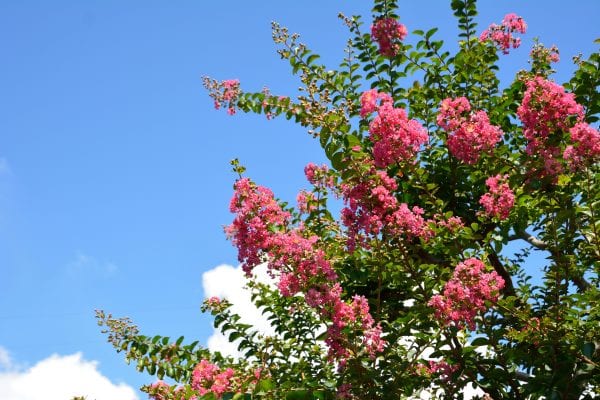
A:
(265, 385)
(311, 59)
(299, 395)
(430, 33)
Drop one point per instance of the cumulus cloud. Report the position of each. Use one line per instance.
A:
(58, 378)
(434, 393)
(228, 282)
(5, 361)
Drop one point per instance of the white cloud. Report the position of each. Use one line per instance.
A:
(5, 361)
(84, 264)
(431, 393)
(434, 392)
(228, 282)
(58, 378)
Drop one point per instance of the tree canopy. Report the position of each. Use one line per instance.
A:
(452, 190)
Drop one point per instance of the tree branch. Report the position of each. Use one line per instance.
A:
(578, 280)
(509, 289)
(532, 240)
(431, 258)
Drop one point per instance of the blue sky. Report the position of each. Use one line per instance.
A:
(114, 166)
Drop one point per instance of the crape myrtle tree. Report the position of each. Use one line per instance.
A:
(450, 186)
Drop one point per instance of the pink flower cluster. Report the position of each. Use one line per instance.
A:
(257, 214)
(372, 206)
(500, 199)
(344, 316)
(344, 391)
(231, 90)
(318, 175)
(306, 202)
(395, 138)
(502, 35)
(301, 263)
(546, 108)
(452, 224)
(544, 55)
(442, 368)
(208, 378)
(369, 99)
(260, 231)
(547, 112)
(585, 148)
(453, 113)
(304, 268)
(388, 32)
(466, 294)
(213, 302)
(161, 390)
(225, 92)
(471, 134)
(373, 341)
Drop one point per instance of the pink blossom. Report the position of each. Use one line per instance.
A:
(368, 101)
(208, 378)
(367, 202)
(213, 301)
(473, 138)
(547, 108)
(502, 35)
(256, 213)
(344, 391)
(409, 222)
(465, 295)
(514, 22)
(159, 390)
(344, 316)
(442, 368)
(231, 89)
(395, 138)
(546, 112)
(371, 207)
(585, 148)
(373, 341)
(453, 113)
(347, 319)
(337, 343)
(226, 92)
(318, 175)
(288, 284)
(261, 230)
(306, 202)
(452, 224)
(303, 265)
(471, 134)
(388, 32)
(541, 54)
(500, 199)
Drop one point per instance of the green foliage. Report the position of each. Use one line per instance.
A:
(537, 341)
(585, 83)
